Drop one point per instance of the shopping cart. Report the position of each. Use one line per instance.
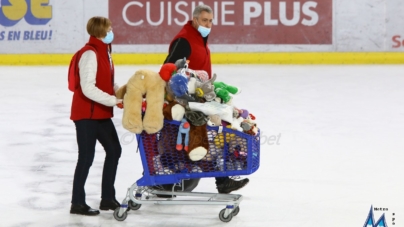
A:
(231, 153)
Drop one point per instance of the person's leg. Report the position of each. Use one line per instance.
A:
(227, 185)
(86, 139)
(220, 180)
(108, 138)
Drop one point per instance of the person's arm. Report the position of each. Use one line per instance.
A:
(179, 49)
(116, 87)
(88, 71)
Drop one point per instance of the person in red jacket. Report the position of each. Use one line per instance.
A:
(91, 112)
(192, 43)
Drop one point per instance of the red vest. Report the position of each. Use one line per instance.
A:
(200, 53)
(83, 107)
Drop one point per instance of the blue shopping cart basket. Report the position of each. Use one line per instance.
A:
(230, 153)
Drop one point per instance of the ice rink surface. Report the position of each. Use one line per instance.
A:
(339, 149)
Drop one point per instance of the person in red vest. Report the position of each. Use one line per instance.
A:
(91, 112)
(192, 43)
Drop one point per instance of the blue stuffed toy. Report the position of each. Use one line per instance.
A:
(179, 85)
(184, 129)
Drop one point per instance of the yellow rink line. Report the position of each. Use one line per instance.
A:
(221, 58)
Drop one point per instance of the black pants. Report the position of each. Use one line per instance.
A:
(88, 132)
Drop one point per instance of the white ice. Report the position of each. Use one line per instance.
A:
(337, 135)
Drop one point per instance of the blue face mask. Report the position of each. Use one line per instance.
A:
(109, 38)
(203, 30)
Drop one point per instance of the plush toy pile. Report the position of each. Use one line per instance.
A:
(196, 101)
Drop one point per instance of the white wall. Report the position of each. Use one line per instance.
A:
(360, 25)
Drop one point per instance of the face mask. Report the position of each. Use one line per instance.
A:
(108, 39)
(203, 30)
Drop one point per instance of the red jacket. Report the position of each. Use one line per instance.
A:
(83, 107)
(200, 53)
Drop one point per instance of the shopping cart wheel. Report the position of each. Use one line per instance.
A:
(134, 206)
(222, 218)
(120, 218)
(235, 211)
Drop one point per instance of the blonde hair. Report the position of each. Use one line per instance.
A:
(97, 26)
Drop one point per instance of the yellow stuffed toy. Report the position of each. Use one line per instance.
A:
(149, 83)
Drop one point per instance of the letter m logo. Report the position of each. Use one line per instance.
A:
(370, 220)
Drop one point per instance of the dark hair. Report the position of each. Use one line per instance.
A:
(97, 26)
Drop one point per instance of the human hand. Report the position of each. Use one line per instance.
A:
(119, 103)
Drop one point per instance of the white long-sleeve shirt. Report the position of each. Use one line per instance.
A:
(88, 71)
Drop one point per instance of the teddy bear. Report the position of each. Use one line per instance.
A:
(223, 91)
(143, 82)
(198, 142)
(214, 120)
(174, 111)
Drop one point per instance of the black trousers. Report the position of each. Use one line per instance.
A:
(88, 132)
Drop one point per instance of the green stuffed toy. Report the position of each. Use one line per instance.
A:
(223, 91)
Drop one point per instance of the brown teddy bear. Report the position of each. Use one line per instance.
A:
(143, 82)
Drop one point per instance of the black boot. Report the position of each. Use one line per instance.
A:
(109, 204)
(230, 185)
(83, 209)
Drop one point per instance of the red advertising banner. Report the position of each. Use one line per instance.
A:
(235, 22)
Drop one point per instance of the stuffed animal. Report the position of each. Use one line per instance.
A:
(244, 113)
(236, 124)
(183, 129)
(198, 142)
(223, 91)
(204, 90)
(181, 63)
(249, 125)
(178, 85)
(174, 111)
(251, 118)
(167, 70)
(214, 120)
(252, 131)
(209, 108)
(143, 82)
(246, 126)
